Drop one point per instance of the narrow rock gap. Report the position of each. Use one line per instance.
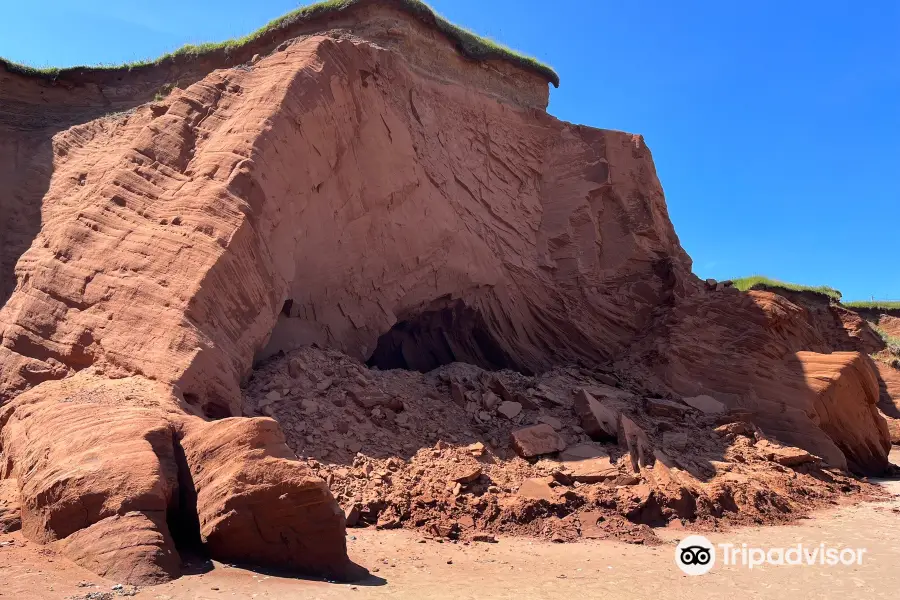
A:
(182, 517)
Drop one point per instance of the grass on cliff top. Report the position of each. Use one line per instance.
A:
(749, 283)
(874, 304)
(470, 44)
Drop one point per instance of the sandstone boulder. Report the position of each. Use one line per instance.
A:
(843, 404)
(257, 504)
(86, 453)
(80, 458)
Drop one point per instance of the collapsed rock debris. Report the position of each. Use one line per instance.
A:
(436, 453)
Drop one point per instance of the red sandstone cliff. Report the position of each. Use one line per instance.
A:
(368, 190)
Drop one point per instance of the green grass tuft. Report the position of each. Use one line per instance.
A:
(755, 281)
(470, 44)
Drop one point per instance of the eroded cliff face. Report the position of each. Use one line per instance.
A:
(367, 190)
(321, 194)
(326, 193)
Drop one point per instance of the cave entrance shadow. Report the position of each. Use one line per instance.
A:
(439, 336)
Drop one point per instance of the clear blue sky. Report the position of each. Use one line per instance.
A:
(775, 125)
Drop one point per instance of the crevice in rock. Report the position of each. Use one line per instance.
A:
(432, 338)
(182, 517)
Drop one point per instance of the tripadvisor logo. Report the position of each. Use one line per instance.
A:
(696, 555)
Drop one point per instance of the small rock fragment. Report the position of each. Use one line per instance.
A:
(598, 420)
(509, 409)
(606, 379)
(787, 456)
(551, 421)
(536, 440)
(526, 402)
(477, 449)
(635, 440)
(352, 516)
(468, 474)
(458, 393)
(588, 463)
(498, 387)
(489, 400)
(538, 489)
(705, 404)
(296, 368)
(660, 407)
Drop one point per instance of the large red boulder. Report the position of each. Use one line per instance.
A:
(86, 452)
(257, 504)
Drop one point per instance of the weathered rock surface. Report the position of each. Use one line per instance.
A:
(758, 354)
(94, 464)
(10, 511)
(845, 388)
(538, 489)
(81, 454)
(705, 404)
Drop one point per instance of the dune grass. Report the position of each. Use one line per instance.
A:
(470, 44)
(749, 283)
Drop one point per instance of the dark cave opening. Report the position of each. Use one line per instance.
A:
(212, 408)
(437, 337)
(182, 517)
